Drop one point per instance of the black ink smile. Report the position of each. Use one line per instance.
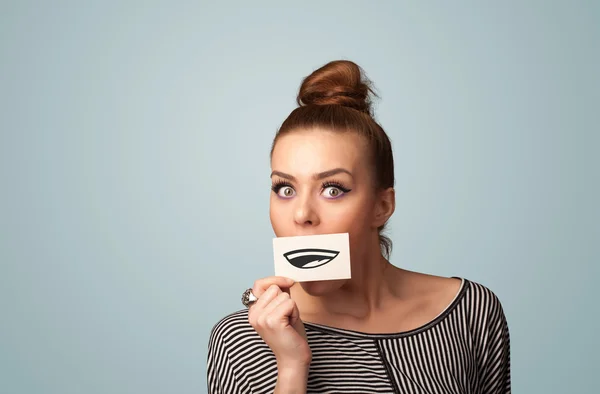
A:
(310, 258)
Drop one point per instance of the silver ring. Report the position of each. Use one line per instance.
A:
(248, 298)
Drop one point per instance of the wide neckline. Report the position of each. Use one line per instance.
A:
(424, 327)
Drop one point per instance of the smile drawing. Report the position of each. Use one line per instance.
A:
(310, 258)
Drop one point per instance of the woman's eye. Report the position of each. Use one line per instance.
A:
(332, 192)
(286, 192)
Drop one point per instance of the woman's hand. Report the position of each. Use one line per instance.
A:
(276, 318)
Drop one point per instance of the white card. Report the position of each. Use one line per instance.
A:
(312, 257)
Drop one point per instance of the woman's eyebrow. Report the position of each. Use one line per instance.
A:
(283, 175)
(320, 175)
(335, 171)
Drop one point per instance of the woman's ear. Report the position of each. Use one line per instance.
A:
(385, 206)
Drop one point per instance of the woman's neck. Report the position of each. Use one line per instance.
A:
(372, 284)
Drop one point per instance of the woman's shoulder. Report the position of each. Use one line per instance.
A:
(474, 304)
(481, 311)
(233, 348)
(231, 326)
(235, 344)
(480, 298)
(233, 332)
(490, 333)
(451, 292)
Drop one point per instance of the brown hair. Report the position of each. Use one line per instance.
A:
(337, 97)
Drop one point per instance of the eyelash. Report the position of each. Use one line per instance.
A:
(278, 185)
(336, 184)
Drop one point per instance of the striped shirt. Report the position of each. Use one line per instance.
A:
(465, 349)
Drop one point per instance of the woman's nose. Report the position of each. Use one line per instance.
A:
(305, 214)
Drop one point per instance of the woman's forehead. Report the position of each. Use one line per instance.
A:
(314, 151)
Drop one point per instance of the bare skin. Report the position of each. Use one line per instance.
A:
(324, 184)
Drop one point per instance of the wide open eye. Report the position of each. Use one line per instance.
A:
(286, 192)
(333, 190)
(283, 189)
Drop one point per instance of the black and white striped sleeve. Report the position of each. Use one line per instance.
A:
(495, 366)
(220, 374)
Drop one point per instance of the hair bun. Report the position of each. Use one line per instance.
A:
(340, 82)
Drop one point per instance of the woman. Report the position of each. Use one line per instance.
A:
(386, 330)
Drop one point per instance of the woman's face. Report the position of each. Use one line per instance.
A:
(322, 184)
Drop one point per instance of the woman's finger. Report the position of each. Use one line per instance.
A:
(270, 294)
(261, 285)
(281, 297)
(280, 316)
(295, 317)
(255, 313)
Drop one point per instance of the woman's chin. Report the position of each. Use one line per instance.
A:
(321, 287)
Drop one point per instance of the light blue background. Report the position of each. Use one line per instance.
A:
(135, 175)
